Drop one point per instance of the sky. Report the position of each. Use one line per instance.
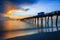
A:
(34, 6)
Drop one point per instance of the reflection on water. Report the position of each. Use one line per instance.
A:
(18, 33)
(7, 25)
(13, 28)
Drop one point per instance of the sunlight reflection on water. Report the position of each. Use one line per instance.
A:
(14, 28)
(10, 25)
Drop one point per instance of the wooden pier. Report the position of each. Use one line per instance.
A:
(38, 21)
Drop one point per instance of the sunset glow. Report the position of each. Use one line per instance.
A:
(29, 19)
(10, 8)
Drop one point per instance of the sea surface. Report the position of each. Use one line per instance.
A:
(14, 28)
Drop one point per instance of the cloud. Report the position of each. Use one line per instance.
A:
(14, 2)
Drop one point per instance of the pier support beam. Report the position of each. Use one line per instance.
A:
(45, 25)
(41, 24)
(57, 22)
(48, 25)
(52, 22)
(35, 23)
(38, 24)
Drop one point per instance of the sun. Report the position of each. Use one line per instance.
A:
(10, 11)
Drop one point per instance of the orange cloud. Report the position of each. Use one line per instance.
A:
(9, 8)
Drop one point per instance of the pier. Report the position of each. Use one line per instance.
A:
(41, 21)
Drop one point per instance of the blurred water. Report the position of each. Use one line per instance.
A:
(14, 28)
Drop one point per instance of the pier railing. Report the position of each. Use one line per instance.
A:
(47, 22)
